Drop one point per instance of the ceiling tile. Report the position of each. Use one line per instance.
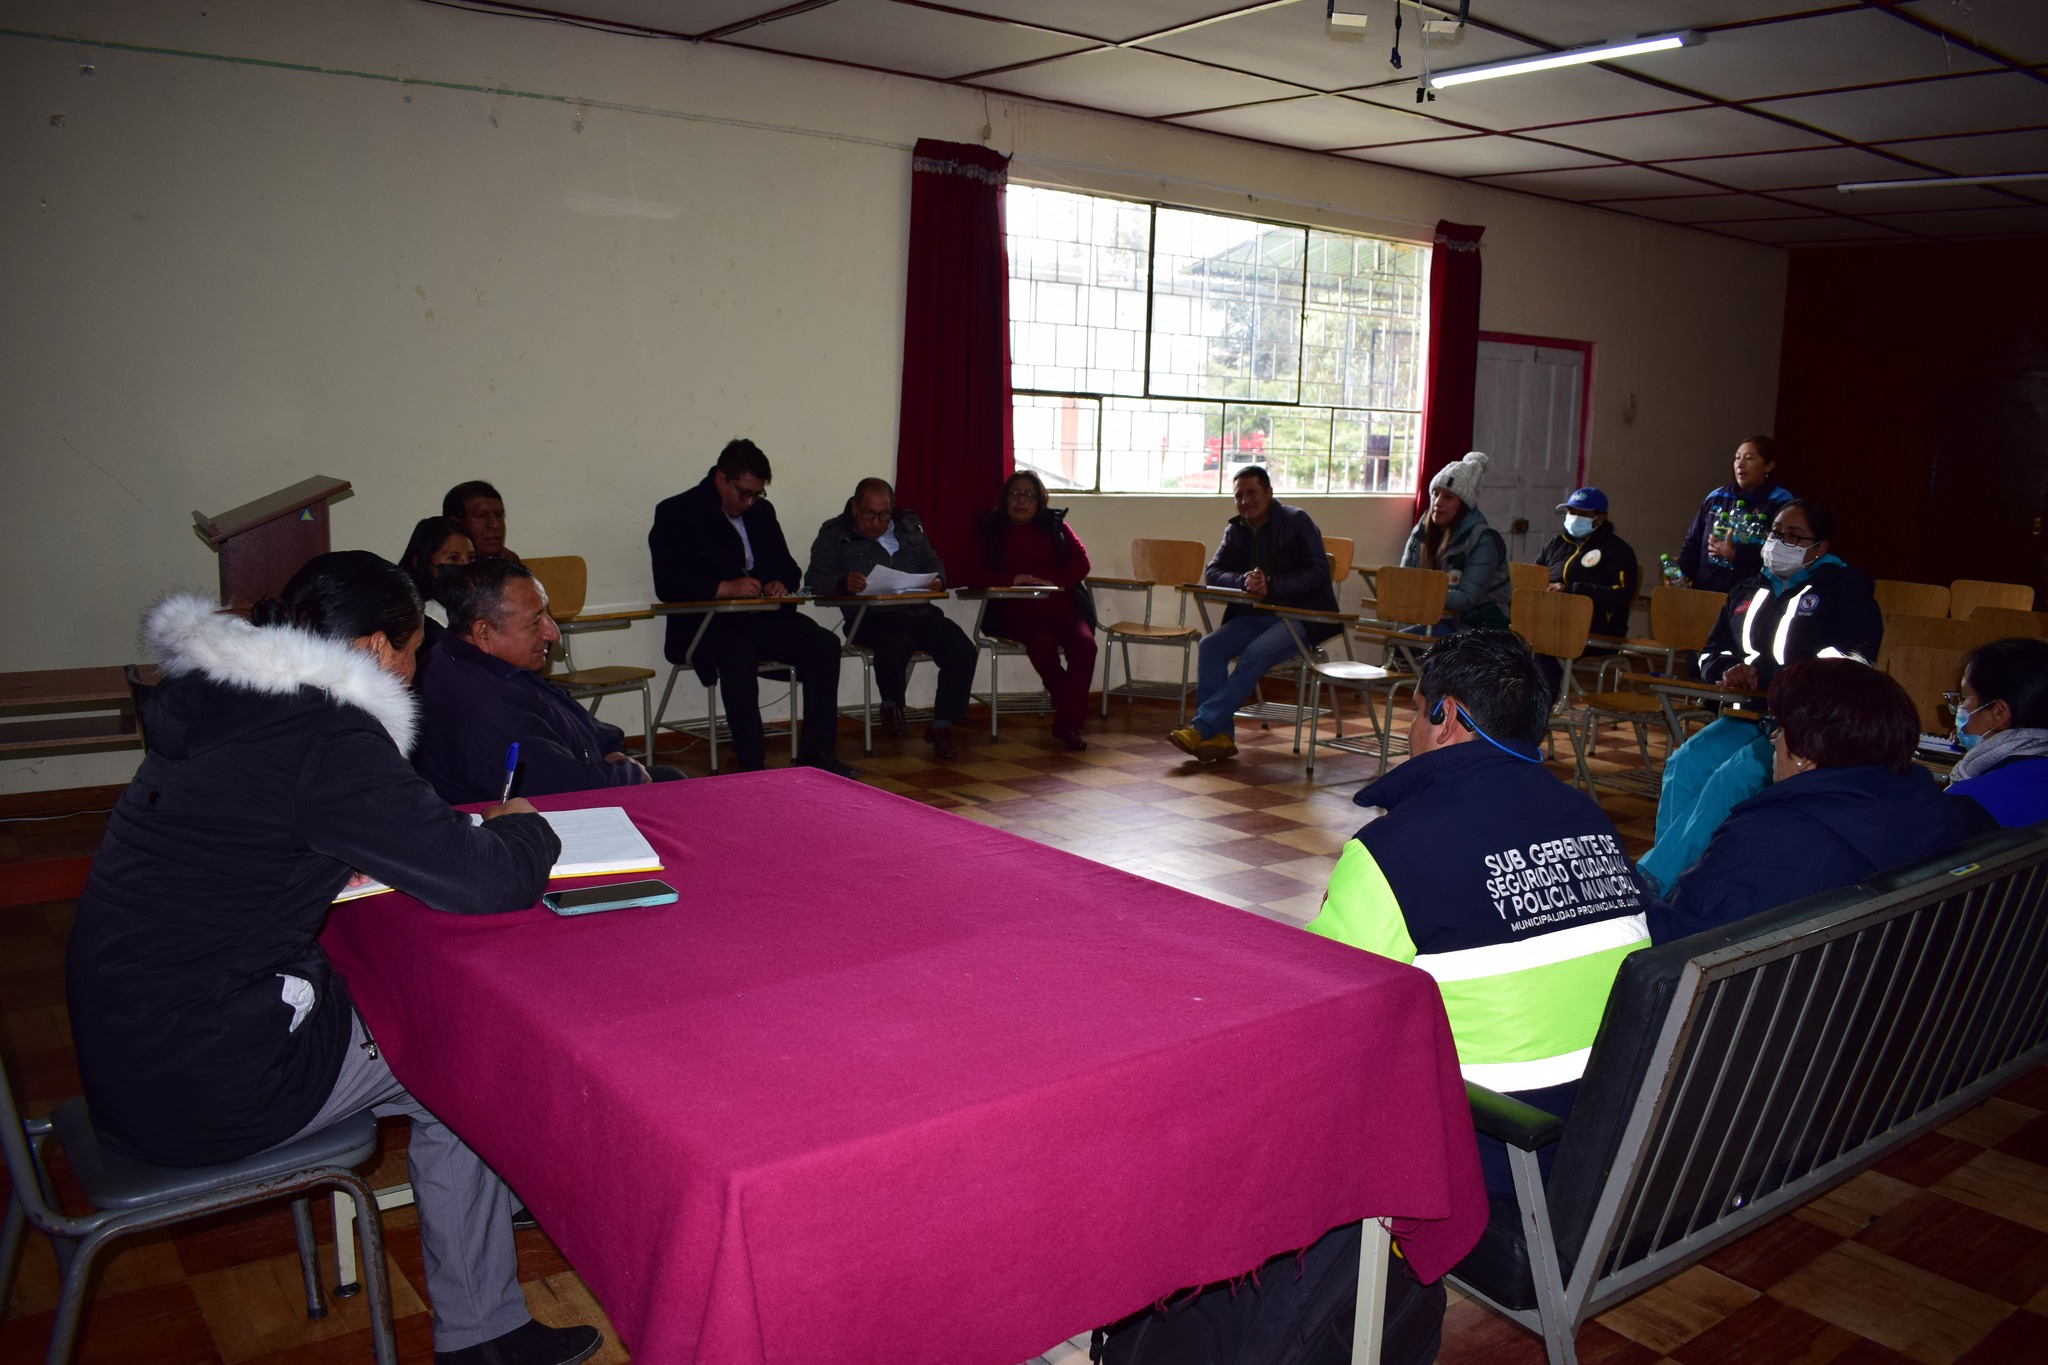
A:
(1294, 43)
(1129, 81)
(1545, 97)
(1796, 56)
(1318, 121)
(1961, 104)
(1476, 156)
(896, 37)
(665, 16)
(1971, 222)
(1775, 170)
(1795, 231)
(2016, 28)
(1574, 23)
(1689, 132)
(1989, 154)
(1595, 182)
(1117, 23)
(1708, 208)
(1871, 202)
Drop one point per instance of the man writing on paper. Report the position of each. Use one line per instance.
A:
(485, 691)
(874, 534)
(721, 539)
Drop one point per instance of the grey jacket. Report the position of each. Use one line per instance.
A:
(840, 549)
(1476, 558)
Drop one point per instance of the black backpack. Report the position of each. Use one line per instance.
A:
(1296, 1309)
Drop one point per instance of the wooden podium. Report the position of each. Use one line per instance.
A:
(263, 543)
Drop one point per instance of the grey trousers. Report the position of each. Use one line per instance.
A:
(465, 1209)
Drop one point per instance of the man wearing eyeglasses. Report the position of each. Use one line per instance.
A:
(721, 539)
(873, 533)
(1805, 603)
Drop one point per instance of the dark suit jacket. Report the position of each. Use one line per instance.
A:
(695, 549)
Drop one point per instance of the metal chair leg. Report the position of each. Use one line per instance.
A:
(10, 1244)
(309, 1259)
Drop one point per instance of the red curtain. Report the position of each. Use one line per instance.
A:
(953, 446)
(1453, 352)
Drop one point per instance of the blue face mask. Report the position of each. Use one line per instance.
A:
(1963, 717)
(1578, 527)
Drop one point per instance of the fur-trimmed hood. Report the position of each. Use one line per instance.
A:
(192, 635)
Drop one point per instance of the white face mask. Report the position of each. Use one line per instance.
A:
(1782, 559)
(1578, 527)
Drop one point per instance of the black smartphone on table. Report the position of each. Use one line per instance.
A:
(589, 900)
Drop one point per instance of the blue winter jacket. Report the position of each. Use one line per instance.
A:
(1813, 832)
(2014, 793)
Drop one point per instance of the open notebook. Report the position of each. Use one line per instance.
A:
(596, 841)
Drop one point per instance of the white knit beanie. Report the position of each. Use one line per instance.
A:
(1463, 477)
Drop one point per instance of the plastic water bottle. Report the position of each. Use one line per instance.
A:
(1671, 571)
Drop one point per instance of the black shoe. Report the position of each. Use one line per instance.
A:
(532, 1344)
(522, 1220)
(940, 737)
(828, 763)
(894, 725)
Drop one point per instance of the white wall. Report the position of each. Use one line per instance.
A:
(581, 273)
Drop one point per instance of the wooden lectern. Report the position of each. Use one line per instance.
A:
(263, 543)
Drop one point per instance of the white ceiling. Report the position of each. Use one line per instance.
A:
(1746, 134)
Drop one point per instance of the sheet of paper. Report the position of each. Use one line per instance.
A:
(883, 579)
(597, 841)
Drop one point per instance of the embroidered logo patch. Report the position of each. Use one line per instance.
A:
(1591, 559)
(1808, 605)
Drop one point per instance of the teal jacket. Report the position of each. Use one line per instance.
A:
(1476, 558)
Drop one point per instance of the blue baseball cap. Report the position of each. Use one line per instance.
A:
(1584, 500)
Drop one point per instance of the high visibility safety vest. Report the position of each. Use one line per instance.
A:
(1508, 887)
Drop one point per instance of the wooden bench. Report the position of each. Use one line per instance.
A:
(1743, 1071)
(70, 710)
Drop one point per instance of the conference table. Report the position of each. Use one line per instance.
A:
(885, 1084)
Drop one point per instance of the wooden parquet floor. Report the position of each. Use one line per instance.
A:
(1939, 1255)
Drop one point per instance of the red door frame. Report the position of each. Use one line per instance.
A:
(1585, 348)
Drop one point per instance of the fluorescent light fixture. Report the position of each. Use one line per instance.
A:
(2009, 178)
(1347, 14)
(1599, 52)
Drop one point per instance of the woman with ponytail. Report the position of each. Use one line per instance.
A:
(209, 1024)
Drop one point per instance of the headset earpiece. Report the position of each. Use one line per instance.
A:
(1436, 712)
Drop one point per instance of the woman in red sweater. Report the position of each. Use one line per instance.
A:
(1026, 542)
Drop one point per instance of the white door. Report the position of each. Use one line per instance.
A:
(1526, 416)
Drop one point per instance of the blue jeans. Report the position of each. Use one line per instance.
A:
(1257, 642)
(1711, 774)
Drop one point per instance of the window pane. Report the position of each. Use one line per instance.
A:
(1362, 343)
(1055, 437)
(1292, 443)
(1078, 266)
(1161, 447)
(1226, 307)
(1374, 452)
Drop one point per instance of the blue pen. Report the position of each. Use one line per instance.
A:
(511, 771)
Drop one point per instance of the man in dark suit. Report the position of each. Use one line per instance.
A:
(721, 539)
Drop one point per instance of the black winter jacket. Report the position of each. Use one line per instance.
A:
(1602, 567)
(1297, 571)
(1813, 832)
(276, 765)
(1830, 607)
(694, 549)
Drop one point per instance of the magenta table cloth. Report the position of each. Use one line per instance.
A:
(887, 1085)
